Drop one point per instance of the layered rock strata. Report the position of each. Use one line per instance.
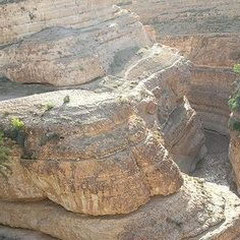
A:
(114, 148)
(208, 34)
(7, 233)
(67, 53)
(199, 210)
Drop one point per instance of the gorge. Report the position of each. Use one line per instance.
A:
(114, 119)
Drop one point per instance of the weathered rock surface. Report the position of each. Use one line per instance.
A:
(69, 56)
(208, 34)
(209, 94)
(98, 164)
(32, 16)
(7, 233)
(198, 211)
(113, 150)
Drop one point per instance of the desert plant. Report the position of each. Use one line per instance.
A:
(66, 99)
(236, 68)
(234, 102)
(234, 124)
(17, 124)
(49, 106)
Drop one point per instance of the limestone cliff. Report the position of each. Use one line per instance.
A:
(207, 32)
(100, 154)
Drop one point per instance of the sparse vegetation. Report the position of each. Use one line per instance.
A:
(234, 102)
(234, 124)
(66, 99)
(236, 68)
(49, 106)
(17, 124)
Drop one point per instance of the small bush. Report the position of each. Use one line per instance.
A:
(236, 68)
(234, 124)
(17, 124)
(234, 102)
(66, 99)
(49, 106)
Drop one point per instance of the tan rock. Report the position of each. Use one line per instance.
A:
(103, 149)
(208, 34)
(66, 56)
(20, 234)
(106, 159)
(198, 211)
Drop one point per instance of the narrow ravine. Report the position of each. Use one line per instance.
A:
(216, 167)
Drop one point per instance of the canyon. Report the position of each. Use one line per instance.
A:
(114, 120)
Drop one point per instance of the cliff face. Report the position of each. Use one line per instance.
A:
(208, 34)
(117, 143)
(68, 47)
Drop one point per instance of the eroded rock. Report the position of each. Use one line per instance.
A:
(98, 150)
(70, 56)
(199, 211)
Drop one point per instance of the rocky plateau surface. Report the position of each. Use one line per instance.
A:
(101, 123)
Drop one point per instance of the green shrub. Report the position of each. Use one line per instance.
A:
(236, 68)
(49, 106)
(66, 99)
(234, 102)
(234, 124)
(17, 124)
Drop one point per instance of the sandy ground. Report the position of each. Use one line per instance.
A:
(216, 167)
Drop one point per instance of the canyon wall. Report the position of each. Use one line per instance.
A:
(208, 34)
(103, 157)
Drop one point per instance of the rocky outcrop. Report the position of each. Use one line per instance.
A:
(208, 34)
(98, 161)
(114, 149)
(108, 156)
(22, 18)
(67, 56)
(198, 211)
(210, 91)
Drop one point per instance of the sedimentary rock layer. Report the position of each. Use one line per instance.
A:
(179, 18)
(7, 233)
(25, 17)
(199, 211)
(208, 34)
(103, 152)
(67, 53)
(96, 166)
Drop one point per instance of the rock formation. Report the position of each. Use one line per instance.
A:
(57, 54)
(199, 211)
(208, 34)
(103, 157)
(111, 132)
